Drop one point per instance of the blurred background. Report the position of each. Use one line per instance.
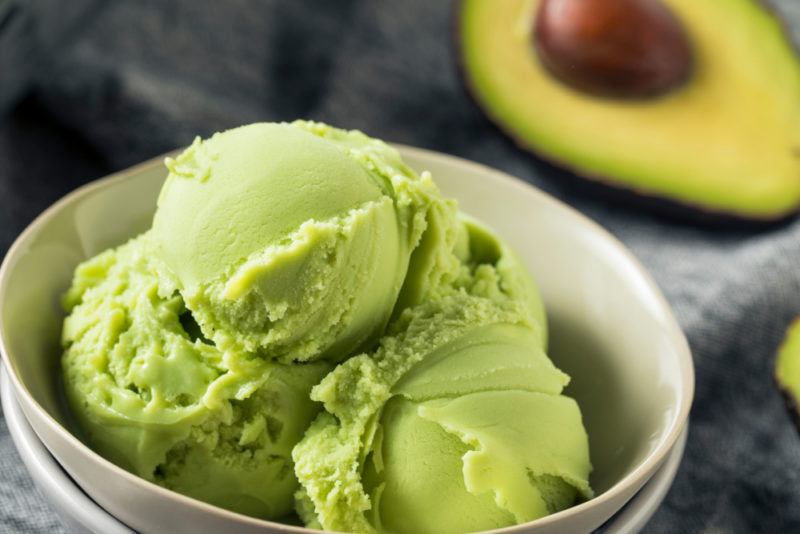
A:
(89, 87)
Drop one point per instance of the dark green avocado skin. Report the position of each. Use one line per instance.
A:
(792, 408)
(603, 188)
(790, 398)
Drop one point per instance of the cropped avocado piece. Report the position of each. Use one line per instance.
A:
(725, 141)
(787, 370)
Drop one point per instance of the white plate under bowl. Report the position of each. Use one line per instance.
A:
(611, 330)
(82, 515)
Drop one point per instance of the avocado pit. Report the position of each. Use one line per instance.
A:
(613, 48)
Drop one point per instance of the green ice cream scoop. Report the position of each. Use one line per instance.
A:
(291, 240)
(457, 422)
(152, 395)
(477, 437)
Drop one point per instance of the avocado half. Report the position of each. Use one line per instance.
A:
(727, 141)
(787, 370)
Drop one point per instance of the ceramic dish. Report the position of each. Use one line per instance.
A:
(82, 515)
(611, 330)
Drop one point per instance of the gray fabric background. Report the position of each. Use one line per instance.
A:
(111, 84)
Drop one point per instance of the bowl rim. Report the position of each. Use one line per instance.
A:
(632, 481)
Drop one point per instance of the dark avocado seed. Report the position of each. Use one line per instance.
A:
(613, 48)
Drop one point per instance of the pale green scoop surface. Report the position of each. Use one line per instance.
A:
(456, 422)
(155, 397)
(291, 240)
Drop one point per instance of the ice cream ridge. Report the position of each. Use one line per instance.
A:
(311, 329)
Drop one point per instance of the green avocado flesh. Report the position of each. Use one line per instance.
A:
(728, 141)
(787, 370)
(310, 328)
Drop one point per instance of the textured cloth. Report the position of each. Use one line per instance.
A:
(135, 79)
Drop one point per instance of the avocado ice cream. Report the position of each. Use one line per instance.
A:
(153, 396)
(292, 241)
(310, 327)
(455, 422)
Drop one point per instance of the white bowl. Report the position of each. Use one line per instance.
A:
(611, 330)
